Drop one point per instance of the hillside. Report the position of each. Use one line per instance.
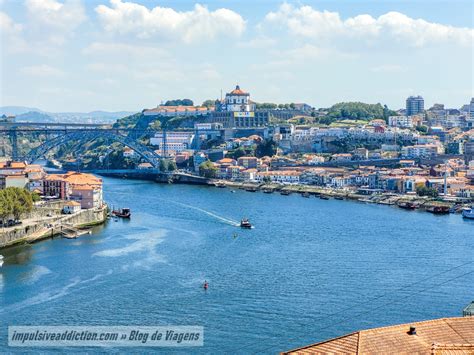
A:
(357, 111)
(29, 114)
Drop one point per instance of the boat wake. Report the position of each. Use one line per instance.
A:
(211, 214)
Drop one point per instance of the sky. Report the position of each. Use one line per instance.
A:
(84, 55)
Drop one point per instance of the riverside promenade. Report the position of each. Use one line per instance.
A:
(423, 203)
(47, 221)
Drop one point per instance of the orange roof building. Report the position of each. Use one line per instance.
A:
(438, 336)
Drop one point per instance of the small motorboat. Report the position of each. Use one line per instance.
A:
(468, 213)
(232, 191)
(285, 193)
(324, 197)
(1, 260)
(122, 213)
(339, 198)
(244, 223)
(305, 194)
(406, 205)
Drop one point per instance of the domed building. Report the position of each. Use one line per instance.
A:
(237, 110)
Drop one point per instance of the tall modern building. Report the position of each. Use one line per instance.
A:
(471, 109)
(415, 105)
(470, 118)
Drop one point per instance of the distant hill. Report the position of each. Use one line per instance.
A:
(30, 114)
(16, 110)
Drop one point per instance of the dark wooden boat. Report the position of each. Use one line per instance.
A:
(122, 213)
(438, 209)
(407, 205)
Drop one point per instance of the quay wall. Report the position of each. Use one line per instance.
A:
(40, 230)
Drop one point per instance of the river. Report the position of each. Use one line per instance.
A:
(310, 269)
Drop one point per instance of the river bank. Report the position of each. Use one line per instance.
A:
(46, 221)
(422, 203)
(308, 264)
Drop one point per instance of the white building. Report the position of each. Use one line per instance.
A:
(280, 176)
(71, 207)
(400, 121)
(175, 141)
(128, 152)
(470, 120)
(237, 101)
(421, 150)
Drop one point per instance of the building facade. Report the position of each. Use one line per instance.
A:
(414, 105)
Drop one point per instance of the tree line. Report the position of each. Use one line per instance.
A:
(16, 202)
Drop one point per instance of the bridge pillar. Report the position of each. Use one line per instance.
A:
(14, 143)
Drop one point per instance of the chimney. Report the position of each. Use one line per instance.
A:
(412, 331)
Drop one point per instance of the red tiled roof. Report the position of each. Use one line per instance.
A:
(238, 91)
(438, 336)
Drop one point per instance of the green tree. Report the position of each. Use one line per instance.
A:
(15, 201)
(237, 153)
(422, 129)
(426, 191)
(163, 165)
(209, 103)
(179, 102)
(266, 148)
(207, 169)
(172, 165)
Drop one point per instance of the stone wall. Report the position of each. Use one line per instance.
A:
(40, 230)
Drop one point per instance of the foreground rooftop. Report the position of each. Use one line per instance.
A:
(438, 336)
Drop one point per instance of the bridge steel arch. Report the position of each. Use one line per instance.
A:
(85, 136)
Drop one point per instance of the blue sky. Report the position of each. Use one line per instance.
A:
(82, 55)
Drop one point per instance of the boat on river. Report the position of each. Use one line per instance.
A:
(324, 197)
(244, 223)
(468, 213)
(285, 192)
(1, 260)
(122, 213)
(407, 205)
(438, 209)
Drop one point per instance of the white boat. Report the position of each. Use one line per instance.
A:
(1, 260)
(468, 213)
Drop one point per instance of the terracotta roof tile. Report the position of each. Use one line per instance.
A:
(438, 336)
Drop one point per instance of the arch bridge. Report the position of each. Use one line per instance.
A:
(92, 134)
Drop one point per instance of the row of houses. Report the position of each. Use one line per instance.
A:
(84, 189)
(454, 177)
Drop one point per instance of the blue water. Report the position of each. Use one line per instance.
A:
(310, 269)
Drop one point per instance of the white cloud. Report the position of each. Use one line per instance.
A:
(258, 42)
(42, 70)
(108, 49)
(309, 23)
(188, 26)
(65, 16)
(8, 26)
(387, 68)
